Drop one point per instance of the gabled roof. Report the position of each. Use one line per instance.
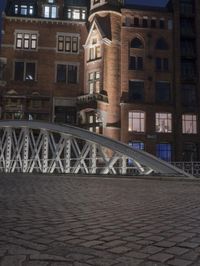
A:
(103, 26)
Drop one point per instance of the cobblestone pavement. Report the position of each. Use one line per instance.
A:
(65, 221)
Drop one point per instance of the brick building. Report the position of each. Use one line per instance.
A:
(128, 72)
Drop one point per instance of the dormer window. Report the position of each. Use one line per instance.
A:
(94, 50)
(76, 13)
(24, 10)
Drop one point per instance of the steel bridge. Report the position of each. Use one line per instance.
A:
(32, 146)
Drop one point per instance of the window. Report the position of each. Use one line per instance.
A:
(153, 23)
(189, 124)
(136, 63)
(188, 69)
(94, 51)
(163, 92)
(162, 24)
(3, 62)
(50, 11)
(76, 13)
(136, 22)
(24, 10)
(190, 152)
(65, 114)
(136, 120)
(67, 43)
(162, 64)
(189, 96)
(145, 22)
(136, 90)
(163, 122)
(94, 82)
(25, 71)
(164, 151)
(137, 43)
(67, 73)
(136, 145)
(25, 40)
(161, 44)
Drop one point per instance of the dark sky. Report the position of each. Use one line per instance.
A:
(148, 2)
(145, 2)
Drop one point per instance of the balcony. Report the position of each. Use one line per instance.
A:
(90, 100)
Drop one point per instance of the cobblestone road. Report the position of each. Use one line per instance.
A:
(59, 221)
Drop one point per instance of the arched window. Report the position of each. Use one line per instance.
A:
(137, 43)
(161, 44)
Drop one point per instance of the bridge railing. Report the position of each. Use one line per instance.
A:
(192, 168)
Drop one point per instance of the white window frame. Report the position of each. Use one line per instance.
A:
(49, 13)
(29, 40)
(189, 124)
(140, 118)
(163, 122)
(92, 82)
(64, 36)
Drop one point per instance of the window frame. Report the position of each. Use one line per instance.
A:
(167, 126)
(68, 43)
(140, 120)
(191, 128)
(33, 38)
(67, 80)
(25, 62)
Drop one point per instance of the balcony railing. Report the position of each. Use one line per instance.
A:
(85, 99)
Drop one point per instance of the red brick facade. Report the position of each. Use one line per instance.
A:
(116, 71)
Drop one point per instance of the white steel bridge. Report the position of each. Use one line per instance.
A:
(32, 146)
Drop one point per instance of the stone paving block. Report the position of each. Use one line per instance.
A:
(165, 244)
(179, 262)
(114, 243)
(151, 249)
(91, 243)
(40, 263)
(47, 257)
(137, 255)
(189, 244)
(13, 260)
(120, 250)
(176, 250)
(161, 257)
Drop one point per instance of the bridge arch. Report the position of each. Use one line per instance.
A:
(32, 146)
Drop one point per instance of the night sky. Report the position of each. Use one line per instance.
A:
(144, 2)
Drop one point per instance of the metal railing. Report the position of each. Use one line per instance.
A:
(192, 168)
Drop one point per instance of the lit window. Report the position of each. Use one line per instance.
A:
(164, 151)
(67, 44)
(26, 40)
(94, 82)
(25, 71)
(95, 50)
(163, 122)
(76, 13)
(136, 121)
(23, 10)
(50, 11)
(189, 124)
(67, 73)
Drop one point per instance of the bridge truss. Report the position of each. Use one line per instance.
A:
(32, 146)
